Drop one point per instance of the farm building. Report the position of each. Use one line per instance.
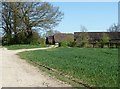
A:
(94, 37)
(60, 37)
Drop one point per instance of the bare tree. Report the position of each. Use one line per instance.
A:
(29, 17)
(114, 28)
(84, 37)
(10, 19)
(40, 15)
(83, 28)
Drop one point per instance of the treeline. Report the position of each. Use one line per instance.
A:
(21, 21)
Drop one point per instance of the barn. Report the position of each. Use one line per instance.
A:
(59, 38)
(95, 37)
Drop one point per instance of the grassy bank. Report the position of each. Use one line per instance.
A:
(96, 67)
(24, 46)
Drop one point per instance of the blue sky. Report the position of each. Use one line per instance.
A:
(95, 16)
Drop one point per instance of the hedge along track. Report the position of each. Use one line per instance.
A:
(63, 74)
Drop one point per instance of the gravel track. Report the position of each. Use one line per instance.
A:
(15, 72)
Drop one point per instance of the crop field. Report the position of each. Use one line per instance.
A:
(95, 66)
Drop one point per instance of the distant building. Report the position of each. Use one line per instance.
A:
(60, 37)
(50, 40)
(94, 37)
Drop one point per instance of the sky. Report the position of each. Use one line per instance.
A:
(95, 16)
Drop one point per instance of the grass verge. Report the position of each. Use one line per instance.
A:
(25, 46)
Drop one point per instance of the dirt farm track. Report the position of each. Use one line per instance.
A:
(15, 72)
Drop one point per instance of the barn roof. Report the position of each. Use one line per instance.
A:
(61, 37)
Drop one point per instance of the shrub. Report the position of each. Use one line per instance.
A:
(104, 40)
(64, 44)
(34, 38)
(7, 39)
(42, 41)
(23, 38)
(72, 44)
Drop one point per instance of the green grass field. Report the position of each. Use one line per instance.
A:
(94, 66)
(24, 46)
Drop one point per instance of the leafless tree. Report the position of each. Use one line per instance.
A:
(114, 28)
